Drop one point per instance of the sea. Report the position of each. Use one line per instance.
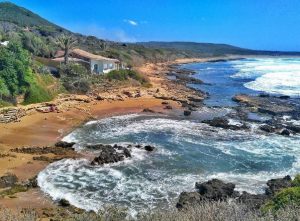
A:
(187, 151)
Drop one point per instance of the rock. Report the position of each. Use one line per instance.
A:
(164, 103)
(149, 148)
(285, 132)
(110, 154)
(168, 107)
(216, 190)
(64, 144)
(99, 98)
(32, 182)
(148, 110)
(275, 185)
(294, 128)
(267, 128)
(224, 123)
(64, 203)
(187, 113)
(253, 201)
(285, 97)
(128, 93)
(188, 199)
(8, 180)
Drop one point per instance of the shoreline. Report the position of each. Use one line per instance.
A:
(38, 129)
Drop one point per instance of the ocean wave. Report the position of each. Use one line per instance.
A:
(187, 152)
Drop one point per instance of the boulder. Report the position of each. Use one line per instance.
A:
(216, 190)
(188, 199)
(168, 107)
(187, 113)
(8, 180)
(65, 144)
(275, 185)
(253, 201)
(148, 110)
(285, 132)
(64, 203)
(224, 123)
(267, 128)
(110, 154)
(149, 148)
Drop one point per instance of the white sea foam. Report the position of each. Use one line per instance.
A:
(271, 75)
(187, 151)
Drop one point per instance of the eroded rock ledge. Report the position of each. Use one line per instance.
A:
(217, 190)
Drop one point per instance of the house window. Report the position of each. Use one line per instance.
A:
(111, 66)
(104, 66)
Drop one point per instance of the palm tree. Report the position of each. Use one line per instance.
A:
(66, 43)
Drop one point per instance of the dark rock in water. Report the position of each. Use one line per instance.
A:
(187, 113)
(164, 103)
(285, 132)
(188, 199)
(64, 203)
(138, 146)
(267, 128)
(148, 110)
(294, 128)
(8, 180)
(224, 123)
(64, 144)
(285, 97)
(149, 148)
(264, 95)
(110, 154)
(216, 190)
(253, 201)
(275, 185)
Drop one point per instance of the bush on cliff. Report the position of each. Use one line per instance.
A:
(286, 197)
(75, 78)
(125, 75)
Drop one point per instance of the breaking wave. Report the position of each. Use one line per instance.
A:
(188, 151)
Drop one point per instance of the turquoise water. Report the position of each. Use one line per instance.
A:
(277, 76)
(187, 151)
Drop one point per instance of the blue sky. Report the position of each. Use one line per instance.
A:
(255, 24)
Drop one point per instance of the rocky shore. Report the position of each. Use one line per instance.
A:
(217, 190)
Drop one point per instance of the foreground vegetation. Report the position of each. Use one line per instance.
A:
(209, 211)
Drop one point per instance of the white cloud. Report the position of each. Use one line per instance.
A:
(131, 22)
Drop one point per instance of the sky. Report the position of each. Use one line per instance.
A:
(254, 24)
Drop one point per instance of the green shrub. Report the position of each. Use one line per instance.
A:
(75, 78)
(124, 75)
(37, 94)
(296, 181)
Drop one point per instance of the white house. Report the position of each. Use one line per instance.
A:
(5, 43)
(96, 63)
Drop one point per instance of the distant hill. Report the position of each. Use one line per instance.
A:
(199, 48)
(210, 49)
(38, 36)
(22, 17)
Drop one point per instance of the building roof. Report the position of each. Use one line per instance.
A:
(91, 56)
(62, 59)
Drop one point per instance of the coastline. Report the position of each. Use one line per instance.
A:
(38, 129)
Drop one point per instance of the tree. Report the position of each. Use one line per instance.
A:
(66, 43)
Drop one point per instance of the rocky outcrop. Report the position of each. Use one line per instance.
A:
(266, 104)
(253, 201)
(213, 190)
(275, 185)
(65, 144)
(225, 124)
(217, 190)
(114, 153)
(110, 154)
(8, 180)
